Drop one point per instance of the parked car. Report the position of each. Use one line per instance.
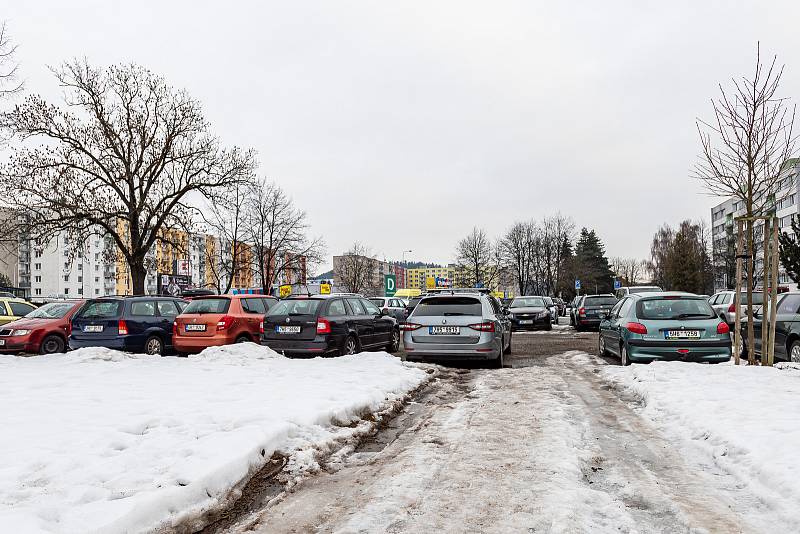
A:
(623, 292)
(12, 309)
(644, 327)
(552, 308)
(787, 328)
(134, 324)
(329, 325)
(391, 306)
(412, 303)
(211, 321)
(458, 326)
(592, 309)
(529, 313)
(189, 294)
(725, 302)
(42, 331)
(573, 309)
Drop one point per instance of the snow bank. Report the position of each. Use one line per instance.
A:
(103, 441)
(745, 419)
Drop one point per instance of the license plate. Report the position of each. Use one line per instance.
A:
(444, 330)
(526, 321)
(683, 334)
(287, 329)
(2, 342)
(195, 328)
(93, 328)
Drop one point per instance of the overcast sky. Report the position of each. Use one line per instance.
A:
(404, 124)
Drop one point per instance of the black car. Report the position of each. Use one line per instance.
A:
(412, 303)
(787, 328)
(134, 324)
(328, 325)
(530, 313)
(592, 309)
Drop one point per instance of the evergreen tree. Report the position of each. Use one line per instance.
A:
(591, 264)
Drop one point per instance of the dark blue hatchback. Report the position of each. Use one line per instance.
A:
(134, 324)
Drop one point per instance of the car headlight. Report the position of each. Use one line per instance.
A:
(20, 332)
(544, 314)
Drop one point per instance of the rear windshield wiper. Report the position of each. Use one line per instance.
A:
(687, 315)
(451, 314)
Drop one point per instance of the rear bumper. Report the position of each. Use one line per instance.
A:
(197, 344)
(468, 351)
(588, 321)
(310, 348)
(696, 351)
(539, 322)
(123, 343)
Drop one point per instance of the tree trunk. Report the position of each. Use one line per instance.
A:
(751, 352)
(138, 275)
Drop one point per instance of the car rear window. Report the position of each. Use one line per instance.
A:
(208, 305)
(758, 298)
(296, 307)
(101, 309)
(674, 308)
(599, 301)
(448, 306)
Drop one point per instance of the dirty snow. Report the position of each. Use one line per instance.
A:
(745, 420)
(102, 441)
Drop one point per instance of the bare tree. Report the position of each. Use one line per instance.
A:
(278, 232)
(223, 220)
(356, 269)
(10, 84)
(629, 270)
(517, 249)
(744, 149)
(122, 159)
(556, 231)
(476, 260)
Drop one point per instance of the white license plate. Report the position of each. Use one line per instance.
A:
(195, 328)
(93, 328)
(444, 330)
(683, 334)
(2, 342)
(287, 329)
(526, 321)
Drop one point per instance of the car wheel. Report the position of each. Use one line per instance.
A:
(508, 348)
(394, 346)
(623, 355)
(153, 345)
(350, 345)
(242, 339)
(601, 345)
(52, 345)
(794, 352)
(497, 363)
(549, 325)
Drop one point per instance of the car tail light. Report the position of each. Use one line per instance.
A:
(323, 326)
(581, 311)
(732, 307)
(122, 327)
(483, 327)
(723, 328)
(175, 328)
(409, 326)
(636, 328)
(225, 322)
(261, 328)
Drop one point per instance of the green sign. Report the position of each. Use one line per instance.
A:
(389, 285)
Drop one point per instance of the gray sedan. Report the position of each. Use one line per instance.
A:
(457, 327)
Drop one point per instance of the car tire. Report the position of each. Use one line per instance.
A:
(52, 344)
(794, 352)
(549, 325)
(154, 346)
(508, 348)
(242, 339)
(623, 355)
(601, 345)
(497, 363)
(350, 346)
(394, 345)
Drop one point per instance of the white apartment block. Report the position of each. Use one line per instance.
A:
(785, 202)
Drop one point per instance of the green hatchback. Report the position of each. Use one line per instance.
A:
(664, 326)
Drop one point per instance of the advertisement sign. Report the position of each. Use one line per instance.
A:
(389, 285)
(172, 285)
(325, 289)
(182, 267)
(285, 291)
(430, 282)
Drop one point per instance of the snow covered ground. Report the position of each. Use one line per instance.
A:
(745, 420)
(102, 441)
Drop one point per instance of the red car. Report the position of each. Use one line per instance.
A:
(44, 330)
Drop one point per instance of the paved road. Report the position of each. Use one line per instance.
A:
(545, 445)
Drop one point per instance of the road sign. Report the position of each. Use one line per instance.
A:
(389, 285)
(617, 284)
(285, 291)
(325, 289)
(577, 284)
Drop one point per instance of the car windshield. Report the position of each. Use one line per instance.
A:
(101, 309)
(296, 307)
(674, 309)
(599, 301)
(54, 310)
(528, 302)
(208, 305)
(447, 306)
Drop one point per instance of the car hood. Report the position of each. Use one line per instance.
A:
(532, 309)
(28, 324)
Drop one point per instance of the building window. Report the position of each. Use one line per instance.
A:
(96, 279)
(80, 266)
(66, 291)
(38, 290)
(66, 266)
(96, 267)
(37, 254)
(66, 278)
(96, 291)
(80, 279)
(37, 266)
(37, 278)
